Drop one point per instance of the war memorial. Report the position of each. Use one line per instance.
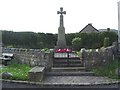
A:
(62, 67)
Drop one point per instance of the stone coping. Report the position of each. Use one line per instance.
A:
(37, 69)
(60, 84)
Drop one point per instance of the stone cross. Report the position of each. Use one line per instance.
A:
(119, 26)
(61, 42)
(61, 12)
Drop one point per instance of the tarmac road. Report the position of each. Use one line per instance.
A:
(20, 85)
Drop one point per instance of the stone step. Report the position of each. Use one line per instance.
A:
(67, 65)
(69, 73)
(59, 61)
(74, 61)
(62, 58)
(63, 69)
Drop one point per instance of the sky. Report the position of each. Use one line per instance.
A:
(41, 15)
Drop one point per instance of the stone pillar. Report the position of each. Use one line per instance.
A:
(83, 56)
(0, 56)
(0, 46)
(61, 43)
(48, 63)
(119, 26)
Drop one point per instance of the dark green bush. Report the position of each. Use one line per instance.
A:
(96, 40)
(106, 41)
(48, 40)
(77, 43)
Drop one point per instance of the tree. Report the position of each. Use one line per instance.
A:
(106, 41)
(48, 40)
(77, 43)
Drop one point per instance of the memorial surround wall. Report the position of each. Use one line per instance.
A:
(33, 57)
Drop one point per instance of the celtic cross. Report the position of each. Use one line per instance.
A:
(61, 12)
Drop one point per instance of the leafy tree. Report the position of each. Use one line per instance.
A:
(76, 42)
(48, 40)
(106, 41)
(69, 38)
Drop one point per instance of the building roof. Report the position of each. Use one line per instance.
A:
(89, 29)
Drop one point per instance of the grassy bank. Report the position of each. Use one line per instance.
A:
(19, 71)
(108, 70)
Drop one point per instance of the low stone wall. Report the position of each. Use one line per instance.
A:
(35, 57)
(31, 57)
(98, 57)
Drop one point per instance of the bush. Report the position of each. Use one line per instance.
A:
(77, 43)
(96, 40)
(45, 50)
(106, 41)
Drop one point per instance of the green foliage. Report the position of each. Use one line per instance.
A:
(69, 38)
(108, 70)
(28, 39)
(77, 43)
(106, 41)
(95, 40)
(10, 46)
(43, 40)
(19, 71)
(45, 50)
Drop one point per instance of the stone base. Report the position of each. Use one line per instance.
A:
(59, 47)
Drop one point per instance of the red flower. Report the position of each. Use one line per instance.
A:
(63, 50)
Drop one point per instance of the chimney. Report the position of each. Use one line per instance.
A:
(89, 23)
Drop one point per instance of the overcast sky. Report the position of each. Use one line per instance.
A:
(41, 15)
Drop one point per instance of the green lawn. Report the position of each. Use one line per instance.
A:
(108, 70)
(19, 71)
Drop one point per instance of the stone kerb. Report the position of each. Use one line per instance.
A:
(97, 57)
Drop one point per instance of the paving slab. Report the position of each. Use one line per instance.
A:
(77, 80)
(66, 82)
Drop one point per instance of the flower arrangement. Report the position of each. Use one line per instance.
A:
(63, 50)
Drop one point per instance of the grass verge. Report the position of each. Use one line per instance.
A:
(19, 71)
(108, 70)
